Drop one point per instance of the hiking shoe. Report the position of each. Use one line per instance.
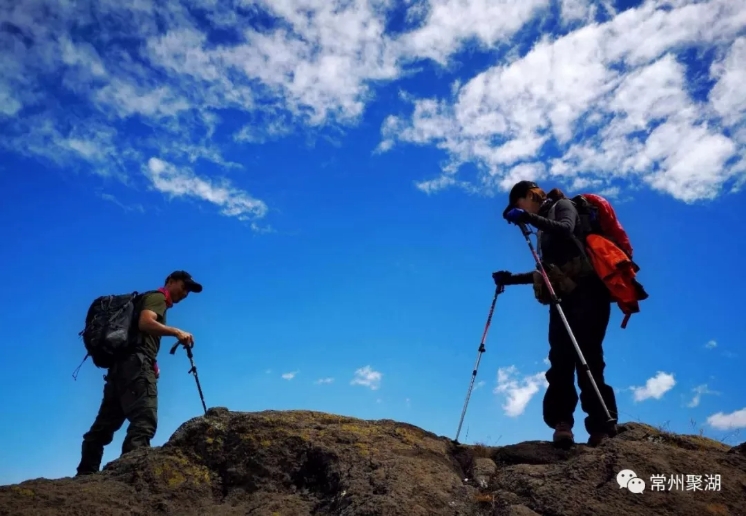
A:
(597, 438)
(563, 436)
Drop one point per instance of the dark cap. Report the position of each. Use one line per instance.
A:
(519, 190)
(191, 285)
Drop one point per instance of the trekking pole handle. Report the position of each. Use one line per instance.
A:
(187, 348)
(524, 229)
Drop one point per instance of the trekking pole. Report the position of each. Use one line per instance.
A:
(556, 302)
(500, 288)
(192, 371)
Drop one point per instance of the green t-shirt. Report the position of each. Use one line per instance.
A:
(149, 345)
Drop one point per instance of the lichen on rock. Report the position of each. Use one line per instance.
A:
(296, 463)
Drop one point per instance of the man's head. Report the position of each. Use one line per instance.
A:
(527, 196)
(179, 284)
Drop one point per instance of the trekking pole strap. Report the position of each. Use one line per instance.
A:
(188, 349)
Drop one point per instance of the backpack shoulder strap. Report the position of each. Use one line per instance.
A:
(549, 215)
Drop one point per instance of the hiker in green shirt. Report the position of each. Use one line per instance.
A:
(130, 391)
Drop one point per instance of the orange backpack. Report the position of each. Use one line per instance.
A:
(607, 247)
(618, 272)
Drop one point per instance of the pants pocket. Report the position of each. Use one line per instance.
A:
(133, 394)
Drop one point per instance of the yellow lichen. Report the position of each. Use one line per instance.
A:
(177, 469)
(362, 449)
(23, 491)
(408, 435)
(358, 429)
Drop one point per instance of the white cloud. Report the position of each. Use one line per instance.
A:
(711, 344)
(731, 421)
(616, 108)
(479, 384)
(654, 387)
(577, 10)
(699, 391)
(367, 377)
(324, 380)
(182, 182)
(448, 24)
(612, 97)
(727, 97)
(290, 375)
(518, 392)
(546, 361)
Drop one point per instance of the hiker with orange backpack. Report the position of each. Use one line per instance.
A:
(576, 278)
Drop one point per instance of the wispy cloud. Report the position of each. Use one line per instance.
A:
(289, 376)
(126, 207)
(711, 344)
(182, 182)
(699, 391)
(517, 391)
(321, 381)
(367, 377)
(654, 387)
(732, 421)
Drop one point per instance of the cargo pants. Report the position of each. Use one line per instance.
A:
(588, 310)
(130, 393)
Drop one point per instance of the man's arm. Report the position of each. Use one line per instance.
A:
(523, 278)
(149, 323)
(154, 305)
(564, 219)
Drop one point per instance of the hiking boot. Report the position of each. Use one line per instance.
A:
(563, 437)
(597, 438)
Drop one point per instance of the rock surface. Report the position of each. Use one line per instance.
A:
(309, 463)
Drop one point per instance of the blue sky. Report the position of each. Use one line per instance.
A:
(335, 178)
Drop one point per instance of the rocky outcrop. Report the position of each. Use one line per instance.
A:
(309, 463)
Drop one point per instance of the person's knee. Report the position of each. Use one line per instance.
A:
(100, 436)
(103, 429)
(561, 369)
